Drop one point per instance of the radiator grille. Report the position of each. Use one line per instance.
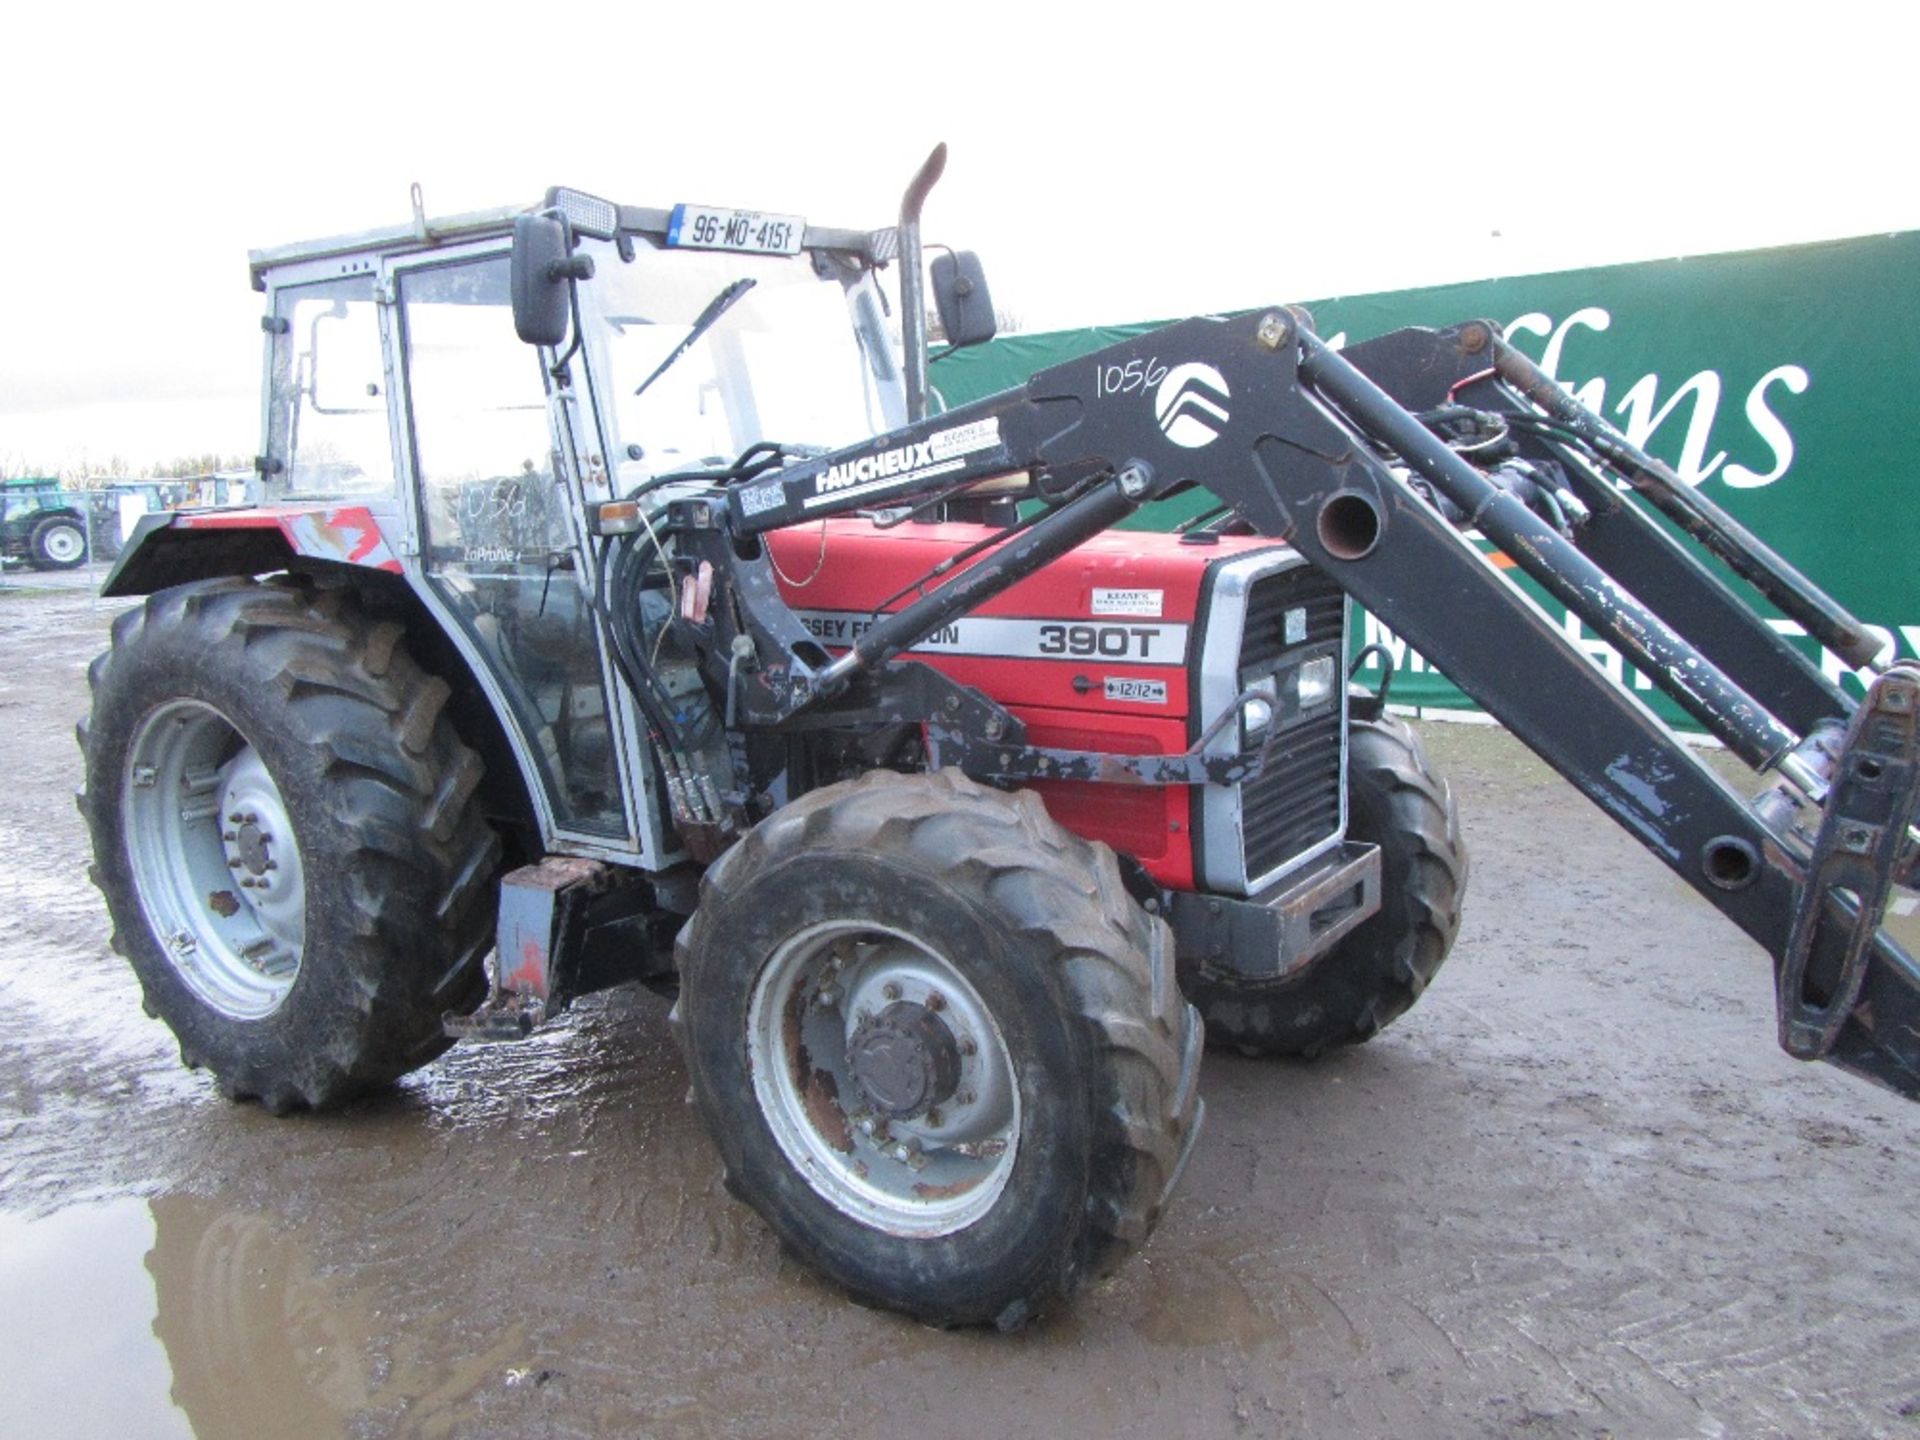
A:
(1301, 588)
(1293, 804)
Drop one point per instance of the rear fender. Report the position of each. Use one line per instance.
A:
(173, 549)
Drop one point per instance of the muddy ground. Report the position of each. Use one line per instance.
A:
(1576, 1192)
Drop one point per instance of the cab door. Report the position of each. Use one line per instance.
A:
(489, 443)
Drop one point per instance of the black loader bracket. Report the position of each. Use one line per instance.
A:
(1864, 842)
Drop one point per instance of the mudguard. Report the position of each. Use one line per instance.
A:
(176, 547)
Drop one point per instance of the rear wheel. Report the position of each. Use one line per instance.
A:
(58, 543)
(286, 832)
(1394, 800)
(939, 1048)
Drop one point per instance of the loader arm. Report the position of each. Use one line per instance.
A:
(1329, 453)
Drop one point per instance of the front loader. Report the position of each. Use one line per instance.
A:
(623, 607)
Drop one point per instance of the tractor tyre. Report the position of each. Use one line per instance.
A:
(57, 543)
(1373, 976)
(287, 834)
(940, 1049)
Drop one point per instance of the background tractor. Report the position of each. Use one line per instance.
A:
(42, 525)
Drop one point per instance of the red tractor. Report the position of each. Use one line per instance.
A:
(620, 605)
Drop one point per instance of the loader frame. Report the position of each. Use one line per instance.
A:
(1321, 450)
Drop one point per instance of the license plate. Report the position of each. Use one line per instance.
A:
(703, 227)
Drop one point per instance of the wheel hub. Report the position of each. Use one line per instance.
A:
(250, 848)
(904, 1061)
(64, 545)
(216, 865)
(884, 1077)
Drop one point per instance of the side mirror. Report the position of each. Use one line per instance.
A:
(960, 295)
(544, 268)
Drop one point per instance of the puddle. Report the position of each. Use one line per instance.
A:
(259, 1344)
(76, 1314)
(173, 1318)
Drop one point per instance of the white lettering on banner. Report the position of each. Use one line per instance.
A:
(1403, 655)
(1643, 420)
(1640, 411)
(1767, 425)
(1896, 642)
(1593, 394)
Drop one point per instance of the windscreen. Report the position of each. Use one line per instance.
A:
(785, 354)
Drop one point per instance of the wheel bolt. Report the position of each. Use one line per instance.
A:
(236, 818)
(935, 1118)
(936, 1001)
(965, 1097)
(968, 1047)
(230, 836)
(890, 990)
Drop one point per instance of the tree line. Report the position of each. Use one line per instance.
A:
(88, 473)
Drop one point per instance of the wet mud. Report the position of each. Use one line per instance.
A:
(1576, 1192)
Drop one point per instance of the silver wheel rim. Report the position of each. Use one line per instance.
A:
(64, 544)
(922, 1175)
(214, 861)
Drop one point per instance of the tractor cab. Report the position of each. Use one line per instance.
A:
(401, 388)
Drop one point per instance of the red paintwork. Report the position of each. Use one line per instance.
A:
(347, 533)
(864, 565)
(530, 976)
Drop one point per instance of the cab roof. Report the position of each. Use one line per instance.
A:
(873, 247)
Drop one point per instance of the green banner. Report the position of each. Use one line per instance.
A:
(1780, 381)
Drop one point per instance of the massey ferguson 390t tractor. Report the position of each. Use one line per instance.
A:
(621, 606)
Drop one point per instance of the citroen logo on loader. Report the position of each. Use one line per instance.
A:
(1191, 405)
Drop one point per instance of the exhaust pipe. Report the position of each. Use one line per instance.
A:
(913, 299)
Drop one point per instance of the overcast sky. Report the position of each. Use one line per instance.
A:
(1111, 163)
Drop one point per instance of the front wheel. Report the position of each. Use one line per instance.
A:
(940, 1049)
(1394, 800)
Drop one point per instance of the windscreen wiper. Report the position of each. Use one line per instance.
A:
(704, 322)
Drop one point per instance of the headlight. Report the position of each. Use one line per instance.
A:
(1314, 681)
(1255, 718)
